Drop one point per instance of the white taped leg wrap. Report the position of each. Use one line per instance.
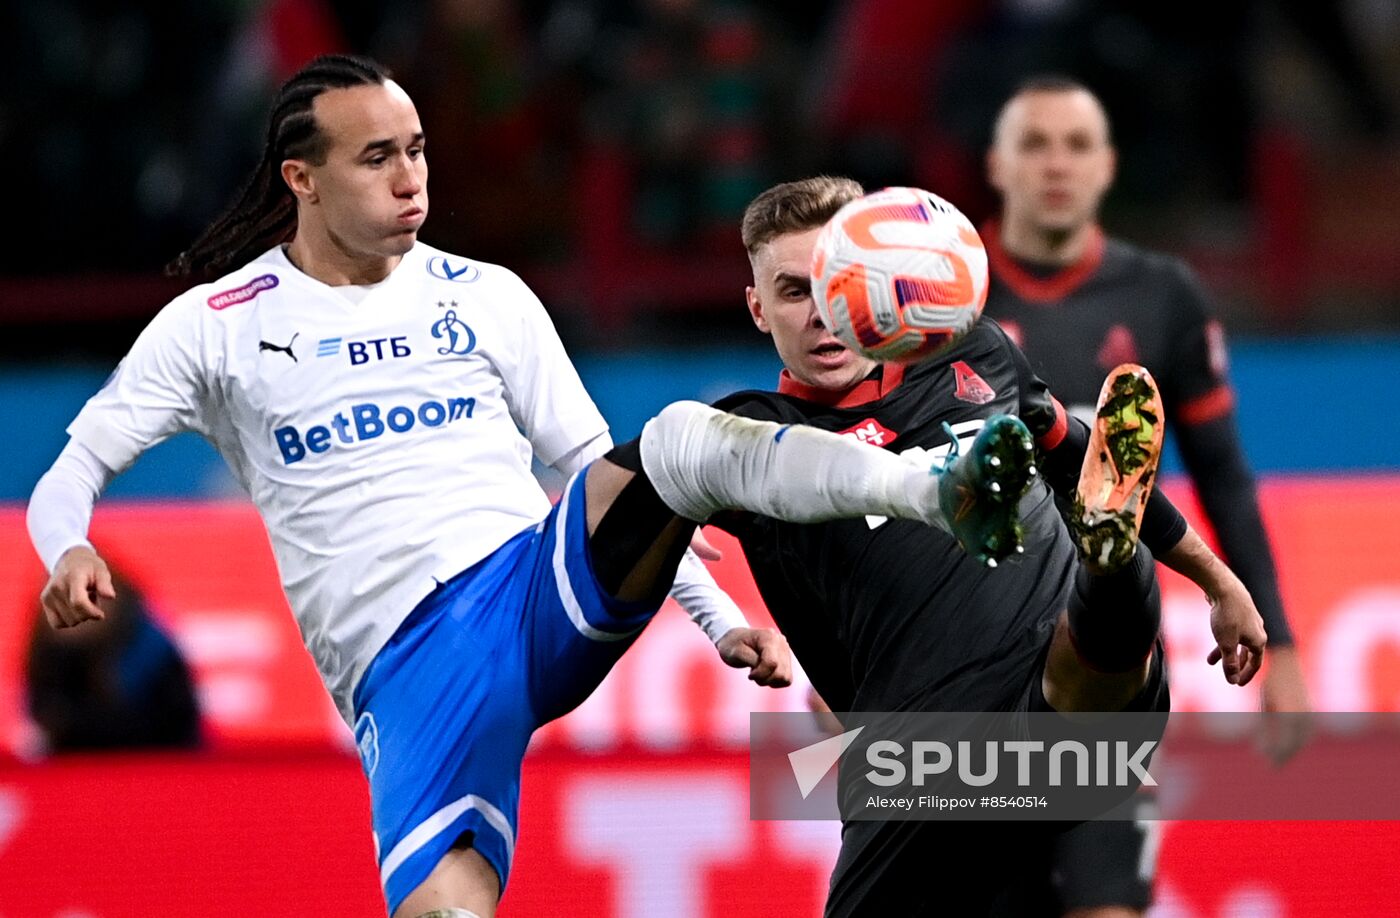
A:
(701, 461)
(449, 913)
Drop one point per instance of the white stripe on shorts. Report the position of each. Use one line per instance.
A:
(428, 829)
(561, 575)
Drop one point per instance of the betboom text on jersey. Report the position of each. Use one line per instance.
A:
(368, 421)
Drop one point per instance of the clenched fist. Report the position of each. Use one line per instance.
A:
(78, 581)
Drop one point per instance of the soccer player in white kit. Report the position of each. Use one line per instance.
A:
(380, 401)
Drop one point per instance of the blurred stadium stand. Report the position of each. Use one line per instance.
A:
(605, 149)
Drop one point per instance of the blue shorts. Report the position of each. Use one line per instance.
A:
(446, 708)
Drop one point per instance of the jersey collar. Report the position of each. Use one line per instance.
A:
(883, 380)
(1034, 289)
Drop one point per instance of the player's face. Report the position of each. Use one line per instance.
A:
(1052, 160)
(780, 302)
(371, 192)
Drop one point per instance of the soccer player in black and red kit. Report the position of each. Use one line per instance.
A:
(890, 616)
(1080, 303)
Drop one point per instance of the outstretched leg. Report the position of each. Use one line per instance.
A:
(702, 461)
(645, 497)
(692, 461)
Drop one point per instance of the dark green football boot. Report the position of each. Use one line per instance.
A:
(980, 493)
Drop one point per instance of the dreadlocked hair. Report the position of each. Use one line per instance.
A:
(264, 213)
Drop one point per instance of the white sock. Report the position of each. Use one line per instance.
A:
(701, 461)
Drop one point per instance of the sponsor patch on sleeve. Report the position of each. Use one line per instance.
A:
(243, 294)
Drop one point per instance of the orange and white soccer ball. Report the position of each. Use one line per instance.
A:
(899, 275)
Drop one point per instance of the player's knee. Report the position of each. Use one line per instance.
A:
(626, 455)
(667, 424)
(677, 449)
(637, 527)
(449, 913)
(666, 433)
(677, 415)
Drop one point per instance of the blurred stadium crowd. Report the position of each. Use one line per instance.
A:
(605, 148)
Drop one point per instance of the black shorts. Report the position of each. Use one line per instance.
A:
(1001, 869)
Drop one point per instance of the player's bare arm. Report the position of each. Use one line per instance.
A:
(1234, 621)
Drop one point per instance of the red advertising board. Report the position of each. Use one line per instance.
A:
(211, 578)
(632, 835)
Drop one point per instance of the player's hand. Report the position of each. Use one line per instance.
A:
(78, 581)
(702, 547)
(1239, 635)
(763, 651)
(1286, 723)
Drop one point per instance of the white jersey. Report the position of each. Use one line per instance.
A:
(386, 441)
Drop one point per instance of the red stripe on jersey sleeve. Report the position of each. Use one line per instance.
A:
(1056, 434)
(1214, 404)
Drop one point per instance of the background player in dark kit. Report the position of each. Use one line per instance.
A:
(1080, 303)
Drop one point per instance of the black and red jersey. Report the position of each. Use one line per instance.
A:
(1117, 304)
(889, 615)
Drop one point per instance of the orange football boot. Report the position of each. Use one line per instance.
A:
(1120, 467)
